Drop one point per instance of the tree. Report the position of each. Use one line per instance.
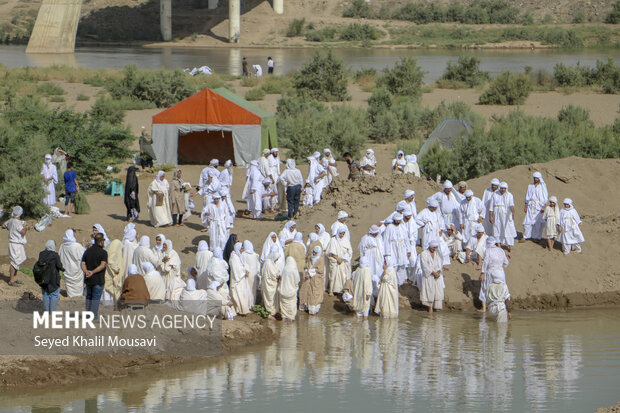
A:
(322, 78)
(404, 79)
(507, 89)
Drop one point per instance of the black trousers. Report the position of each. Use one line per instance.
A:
(176, 220)
(293, 193)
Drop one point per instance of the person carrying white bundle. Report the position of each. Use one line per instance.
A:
(159, 201)
(569, 228)
(362, 288)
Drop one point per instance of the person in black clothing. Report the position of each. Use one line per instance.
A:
(94, 262)
(229, 248)
(51, 290)
(131, 194)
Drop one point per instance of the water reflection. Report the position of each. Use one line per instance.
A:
(444, 362)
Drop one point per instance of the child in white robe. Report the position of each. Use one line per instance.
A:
(551, 217)
(569, 227)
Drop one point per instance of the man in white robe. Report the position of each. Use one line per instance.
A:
(387, 300)
(341, 221)
(495, 260)
(154, 282)
(535, 201)
(275, 164)
(371, 249)
(17, 242)
(431, 222)
(448, 205)
(410, 202)
(432, 285)
(264, 166)
(397, 246)
(50, 179)
(569, 228)
(412, 238)
(461, 188)
(475, 247)
(255, 190)
(239, 285)
(215, 218)
(230, 209)
(339, 254)
(316, 175)
(71, 253)
(143, 253)
(472, 213)
(502, 213)
(486, 201)
(269, 196)
(362, 288)
(159, 201)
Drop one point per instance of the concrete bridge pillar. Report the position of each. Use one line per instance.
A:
(165, 19)
(55, 28)
(278, 6)
(234, 20)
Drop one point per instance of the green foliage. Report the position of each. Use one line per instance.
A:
(113, 110)
(614, 15)
(356, 31)
(322, 78)
(95, 80)
(605, 75)
(163, 88)
(50, 89)
(326, 34)
(507, 89)
(359, 8)
(296, 27)
(260, 310)
(248, 81)
(579, 17)
(466, 71)
(255, 94)
(305, 124)
(82, 207)
(277, 85)
(404, 79)
(57, 99)
(380, 101)
(574, 116)
(82, 97)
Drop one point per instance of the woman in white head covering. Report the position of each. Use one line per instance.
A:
(412, 166)
(362, 288)
(239, 286)
(551, 217)
(98, 229)
(324, 236)
(569, 227)
(272, 239)
(114, 272)
(71, 253)
(130, 243)
(399, 163)
(143, 253)
(159, 202)
(329, 164)
(158, 248)
(50, 180)
(431, 284)
(313, 281)
(216, 293)
(154, 282)
(193, 300)
(339, 254)
(217, 270)
(252, 264)
(270, 275)
(17, 241)
(387, 300)
(203, 256)
(369, 163)
(287, 290)
(287, 234)
(169, 266)
(297, 250)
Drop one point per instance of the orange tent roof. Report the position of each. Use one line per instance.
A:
(207, 108)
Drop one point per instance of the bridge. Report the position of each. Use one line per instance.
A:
(57, 23)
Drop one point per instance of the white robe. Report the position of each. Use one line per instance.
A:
(269, 285)
(170, 270)
(193, 301)
(496, 301)
(156, 286)
(476, 246)
(431, 288)
(288, 288)
(128, 250)
(49, 171)
(339, 273)
(239, 286)
(255, 190)
(362, 288)
(71, 259)
(471, 212)
(314, 170)
(337, 224)
(494, 262)
(504, 229)
(202, 260)
(449, 207)
(569, 222)
(217, 224)
(143, 254)
(329, 165)
(217, 271)
(397, 245)
(252, 264)
(387, 300)
(372, 248)
(159, 215)
(535, 198)
(431, 223)
(486, 202)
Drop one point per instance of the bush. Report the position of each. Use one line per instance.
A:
(248, 81)
(50, 89)
(82, 97)
(255, 94)
(574, 116)
(605, 75)
(356, 31)
(507, 89)
(96, 80)
(57, 99)
(359, 8)
(614, 15)
(108, 110)
(326, 34)
(466, 70)
(385, 127)
(296, 27)
(381, 100)
(322, 78)
(579, 17)
(277, 85)
(405, 79)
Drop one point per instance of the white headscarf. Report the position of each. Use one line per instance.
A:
(318, 250)
(69, 237)
(218, 253)
(274, 253)
(203, 246)
(248, 247)
(163, 241)
(17, 211)
(130, 235)
(168, 245)
(370, 155)
(133, 269)
(158, 179)
(290, 163)
(145, 241)
(191, 285)
(147, 267)
(50, 245)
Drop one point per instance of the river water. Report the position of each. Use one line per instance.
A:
(541, 361)
(221, 60)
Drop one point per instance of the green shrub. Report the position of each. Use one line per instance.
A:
(248, 81)
(95, 80)
(322, 78)
(404, 79)
(359, 8)
(82, 97)
(50, 89)
(579, 17)
(606, 75)
(296, 27)
(574, 116)
(466, 70)
(356, 31)
(108, 110)
(614, 15)
(381, 100)
(326, 34)
(542, 79)
(255, 94)
(385, 127)
(507, 89)
(277, 85)
(57, 99)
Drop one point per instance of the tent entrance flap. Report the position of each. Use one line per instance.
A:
(201, 147)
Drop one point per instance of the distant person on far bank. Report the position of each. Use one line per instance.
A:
(71, 188)
(244, 67)
(94, 262)
(270, 65)
(354, 166)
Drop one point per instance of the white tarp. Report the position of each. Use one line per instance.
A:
(246, 140)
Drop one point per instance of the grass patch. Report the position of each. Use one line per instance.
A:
(255, 94)
(248, 81)
(57, 99)
(50, 89)
(82, 97)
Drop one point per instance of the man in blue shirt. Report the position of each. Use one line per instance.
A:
(71, 187)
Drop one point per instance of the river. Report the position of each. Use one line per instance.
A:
(221, 60)
(554, 361)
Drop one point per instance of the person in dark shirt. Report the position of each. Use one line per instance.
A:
(244, 67)
(354, 166)
(71, 187)
(51, 290)
(94, 263)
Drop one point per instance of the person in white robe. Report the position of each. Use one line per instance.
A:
(203, 256)
(50, 180)
(158, 248)
(308, 194)
(217, 270)
(341, 221)
(486, 201)
(159, 201)
(71, 253)
(169, 266)
(461, 188)
(226, 181)
(535, 201)
(432, 284)
(220, 304)
(270, 277)
(324, 237)
(264, 166)
(252, 263)
(154, 281)
(130, 243)
(339, 254)
(362, 288)
(255, 190)
(502, 216)
(475, 247)
(387, 300)
(98, 229)
(369, 163)
(287, 290)
(316, 175)
(412, 167)
(231, 212)
(498, 299)
(268, 196)
(17, 242)
(551, 217)
(272, 239)
(399, 163)
(193, 300)
(275, 163)
(495, 260)
(143, 253)
(569, 227)
(397, 246)
(453, 244)
(411, 231)
(431, 223)
(410, 203)
(209, 184)
(448, 205)
(177, 285)
(287, 234)
(239, 285)
(329, 164)
(471, 214)
(371, 249)
(215, 218)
